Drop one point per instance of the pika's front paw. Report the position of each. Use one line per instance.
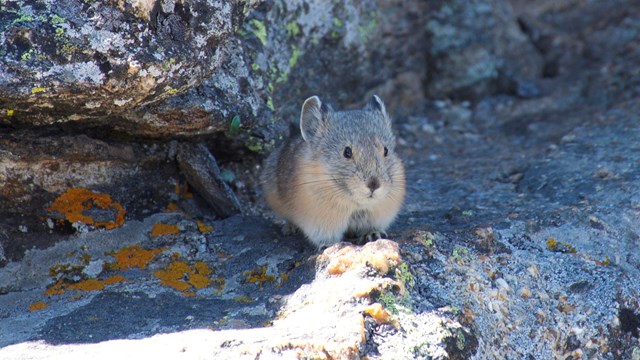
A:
(289, 229)
(373, 236)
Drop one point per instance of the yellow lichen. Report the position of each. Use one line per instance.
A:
(557, 246)
(184, 278)
(259, 276)
(204, 228)
(164, 229)
(134, 257)
(37, 306)
(76, 201)
(10, 112)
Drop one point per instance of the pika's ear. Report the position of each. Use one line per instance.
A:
(312, 117)
(376, 104)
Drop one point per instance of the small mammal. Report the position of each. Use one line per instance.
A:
(339, 176)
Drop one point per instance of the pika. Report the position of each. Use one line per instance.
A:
(339, 175)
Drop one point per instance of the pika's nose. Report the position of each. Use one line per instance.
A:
(373, 184)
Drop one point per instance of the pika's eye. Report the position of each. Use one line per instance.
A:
(386, 151)
(347, 152)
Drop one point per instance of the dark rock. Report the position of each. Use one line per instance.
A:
(471, 44)
(202, 172)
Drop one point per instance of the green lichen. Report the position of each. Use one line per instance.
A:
(295, 55)
(366, 30)
(23, 18)
(255, 66)
(404, 275)
(55, 19)
(259, 30)
(59, 32)
(270, 103)
(293, 29)
(166, 65)
(172, 91)
(467, 213)
(461, 253)
(337, 22)
(27, 55)
(255, 145)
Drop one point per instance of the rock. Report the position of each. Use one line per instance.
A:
(472, 46)
(202, 172)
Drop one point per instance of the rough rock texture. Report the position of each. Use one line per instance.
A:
(518, 238)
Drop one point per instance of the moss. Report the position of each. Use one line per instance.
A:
(235, 124)
(76, 201)
(259, 30)
(160, 229)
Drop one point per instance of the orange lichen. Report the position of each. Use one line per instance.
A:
(183, 191)
(184, 278)
(87, 285)
(76, 201)
(55, 289)
(204, 228)
(37, 306)
(115, 279)
(60, 287)
(259, 276)
(172, 207)
(164, 229)
(378, 313)
(134, 257)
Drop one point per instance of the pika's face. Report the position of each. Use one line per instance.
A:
(358, 149)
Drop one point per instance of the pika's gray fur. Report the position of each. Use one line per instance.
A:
(340, 175)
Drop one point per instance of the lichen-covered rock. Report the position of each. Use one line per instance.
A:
(94, 61)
